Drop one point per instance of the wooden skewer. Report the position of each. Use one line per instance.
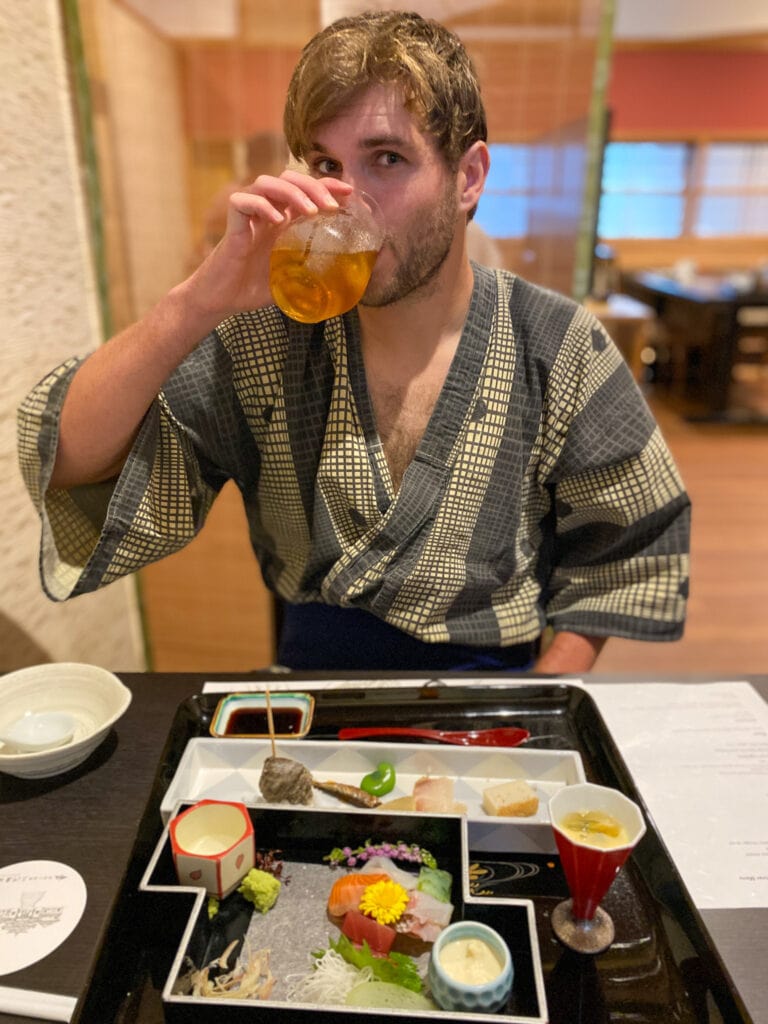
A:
(270, 722)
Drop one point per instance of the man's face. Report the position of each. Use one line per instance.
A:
(377, 145)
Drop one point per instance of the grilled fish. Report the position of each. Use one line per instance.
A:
(349, 794)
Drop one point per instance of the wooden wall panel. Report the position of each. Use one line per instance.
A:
(267, 23)
(207, 607)
(709, 254)
(529, 88)
(532, 88)
(233, 91)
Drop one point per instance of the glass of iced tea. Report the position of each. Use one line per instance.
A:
(320, 265)
(596, 828)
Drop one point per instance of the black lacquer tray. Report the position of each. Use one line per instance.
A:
(662, 966)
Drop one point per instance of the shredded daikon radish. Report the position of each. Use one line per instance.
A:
(328, 982)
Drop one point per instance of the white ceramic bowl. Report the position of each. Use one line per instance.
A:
(95, 698)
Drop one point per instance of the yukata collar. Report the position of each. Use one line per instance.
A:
(454, 402)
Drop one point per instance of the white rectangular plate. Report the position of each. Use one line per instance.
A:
(229, 769)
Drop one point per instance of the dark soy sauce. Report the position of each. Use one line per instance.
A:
(244, 721)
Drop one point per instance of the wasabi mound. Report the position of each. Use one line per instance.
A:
(260, 888)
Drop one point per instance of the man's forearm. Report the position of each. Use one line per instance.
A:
(112, 390)
(569, 653)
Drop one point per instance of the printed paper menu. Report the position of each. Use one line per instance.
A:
(699, 755)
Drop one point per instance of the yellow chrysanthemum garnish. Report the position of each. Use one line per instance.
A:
(384, 901)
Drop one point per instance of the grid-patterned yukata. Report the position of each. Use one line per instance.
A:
(541, 490)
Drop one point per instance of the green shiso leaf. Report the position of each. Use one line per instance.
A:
(396, 968)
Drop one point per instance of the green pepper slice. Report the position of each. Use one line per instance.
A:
(381, 781)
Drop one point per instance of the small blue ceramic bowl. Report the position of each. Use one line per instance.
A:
(448, 991)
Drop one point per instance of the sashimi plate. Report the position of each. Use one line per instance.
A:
(298, 925)
(230, 770)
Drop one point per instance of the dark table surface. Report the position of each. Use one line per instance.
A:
(89, 819)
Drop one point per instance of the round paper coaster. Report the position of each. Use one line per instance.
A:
(41, 902)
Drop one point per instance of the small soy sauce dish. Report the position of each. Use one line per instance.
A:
(245, 716)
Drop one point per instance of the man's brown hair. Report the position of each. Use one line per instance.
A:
(422, 57)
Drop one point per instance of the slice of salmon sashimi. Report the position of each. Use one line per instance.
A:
(347, 891)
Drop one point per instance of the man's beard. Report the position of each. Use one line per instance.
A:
(427, 246)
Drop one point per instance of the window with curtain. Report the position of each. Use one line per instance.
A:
(644, 190)
(684, 189)
(733, 195)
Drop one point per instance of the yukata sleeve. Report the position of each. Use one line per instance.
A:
(94, 534)
(620, 513)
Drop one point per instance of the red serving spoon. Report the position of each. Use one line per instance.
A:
(503, 736)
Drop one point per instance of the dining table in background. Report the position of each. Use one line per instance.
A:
(703, 319)
(94, 820)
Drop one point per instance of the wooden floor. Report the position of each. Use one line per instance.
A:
(206, 609)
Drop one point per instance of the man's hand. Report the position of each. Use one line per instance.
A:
(570, 653)
(234, 277)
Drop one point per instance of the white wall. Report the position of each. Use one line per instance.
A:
(689, 19)
(49, 311)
